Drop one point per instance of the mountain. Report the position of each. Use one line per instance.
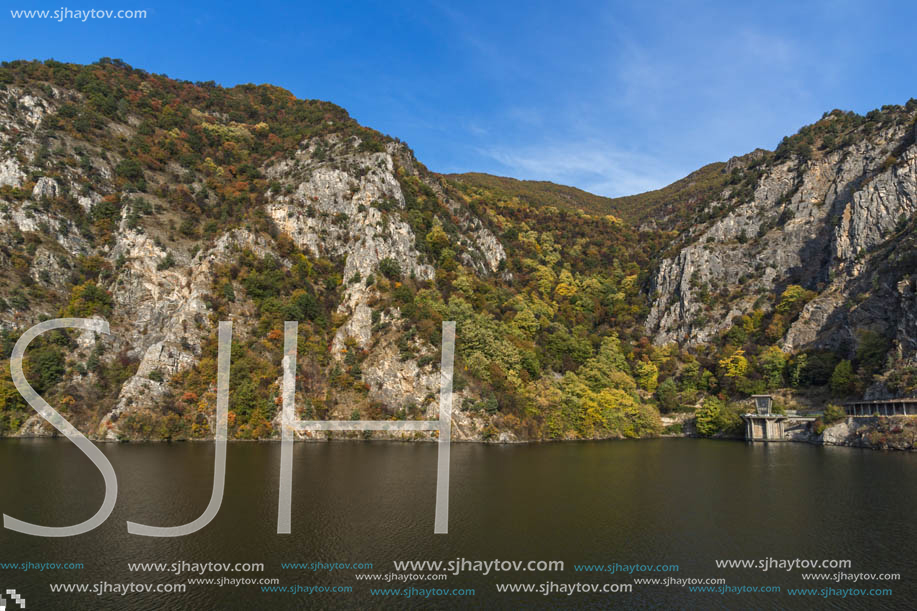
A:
(539, 193)
(669, 203)
(165, 206)
(807, 249)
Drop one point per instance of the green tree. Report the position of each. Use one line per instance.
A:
(45, 367)
(708, 417)
(715, 417)
(546, 279)
(303, 306)
(841, 382)
(87, 299)
(437, 239)
(771, 364)
(390, 268)
(871, 350)
(833, 413)
(129, 169)
(793, 298)
(667, 395)
(797, 368)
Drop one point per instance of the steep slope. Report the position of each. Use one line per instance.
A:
(804, 237)
(155, 212)
(166, 206)
(538, 192)
(666, 208)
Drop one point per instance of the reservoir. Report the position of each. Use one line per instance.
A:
(682, 503)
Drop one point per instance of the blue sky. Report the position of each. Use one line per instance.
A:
(614, 98)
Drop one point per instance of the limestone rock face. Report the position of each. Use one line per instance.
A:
(828, 223)
(395, 382)
(839, 433)
(169, 314)
(45, 187)
(875, 433)
(331, 197)
(333, 212)
(10, 173)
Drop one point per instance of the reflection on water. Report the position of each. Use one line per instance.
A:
(684, 502)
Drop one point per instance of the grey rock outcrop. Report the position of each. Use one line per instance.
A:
(331, 197)
(810, 222)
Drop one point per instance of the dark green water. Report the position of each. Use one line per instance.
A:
(684, 502)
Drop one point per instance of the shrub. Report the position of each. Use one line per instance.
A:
(833, 413)
(167, 263)
(818, 426)
(87, 299)
(45, 367)
(390, 268)
(303, 306)
(647, 375)
(707, 415)
(842, 378)
(676, 428)
(129, 169)
(793, 298)
(716, 418)
(667, 395)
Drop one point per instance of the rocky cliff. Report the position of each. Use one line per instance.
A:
(831, 213)
(166, 206)
(78, 218)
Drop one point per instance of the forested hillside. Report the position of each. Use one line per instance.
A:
(165, 206)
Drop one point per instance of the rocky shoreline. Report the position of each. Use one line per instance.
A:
(874, 433)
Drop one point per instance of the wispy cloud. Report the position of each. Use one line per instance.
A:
(594, 167)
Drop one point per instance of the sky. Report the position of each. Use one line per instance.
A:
(612, 97)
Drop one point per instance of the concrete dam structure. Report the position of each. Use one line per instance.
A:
(765, 425)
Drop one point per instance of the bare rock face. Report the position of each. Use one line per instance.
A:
(343, 207)
(37, 221)
(45, 188)
(393, 381)
(46, 268)
(334, 212)
(168, 313)
(811, 222)
(331, 197)
(839, 433)
(10, 173)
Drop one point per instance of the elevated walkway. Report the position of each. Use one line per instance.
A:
(883, 407)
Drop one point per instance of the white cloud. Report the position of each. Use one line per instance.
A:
(588, 165)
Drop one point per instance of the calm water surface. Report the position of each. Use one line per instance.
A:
(684, 502)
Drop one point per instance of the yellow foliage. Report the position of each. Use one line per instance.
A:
(233, 131)
(734, 365)
(546, 279)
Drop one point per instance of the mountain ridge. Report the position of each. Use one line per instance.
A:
(165, 206)
(636, 209)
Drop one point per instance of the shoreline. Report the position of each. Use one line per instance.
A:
(808, 439)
